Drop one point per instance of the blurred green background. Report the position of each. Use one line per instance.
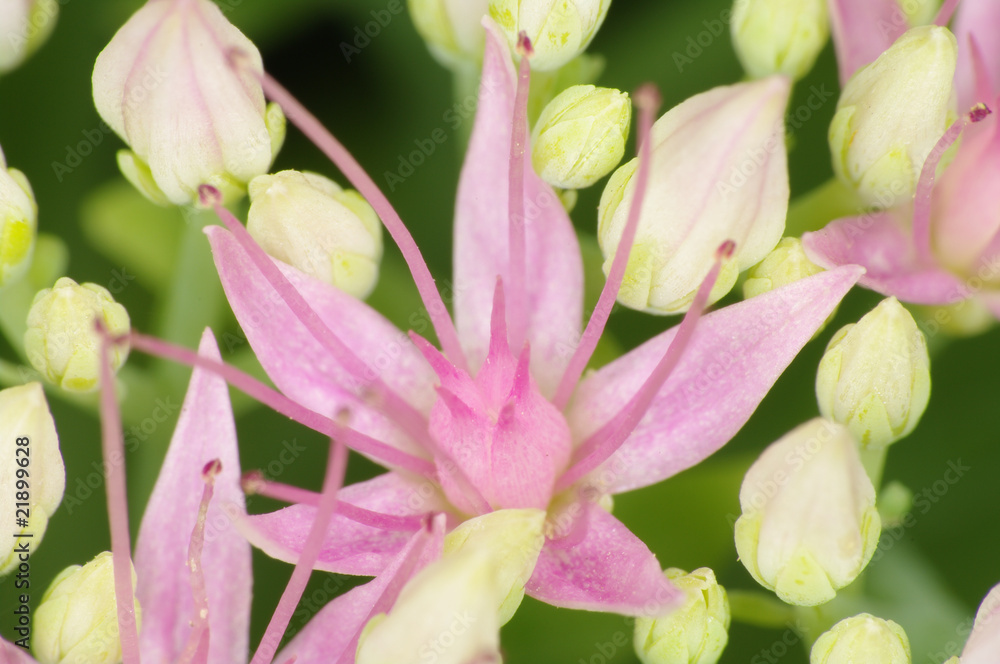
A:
(930, 577)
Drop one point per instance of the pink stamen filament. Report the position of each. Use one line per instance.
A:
(515, 198)
(648, 100)
(925, 184)
(352, 170)
(197, 645)
(255, 484)
(279, 403)
(601, 445)
(334, 479)
(945, 13)
(413, 552)
(113, 445)
(395, 407)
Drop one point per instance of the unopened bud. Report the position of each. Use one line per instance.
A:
(580, 136)
(515, 538)
(695, 633)
(24, 26)
(18, 222)
(308, 221)
(62, 342)
(77, 620)
(184, 127)
(453, 29)
(447, 611)
(875, 376)
(863, 638)
(558, 31)
(809, 523)
(787, 264)
(892, 113)
(779, 36)
(31, 470)
(718, 173)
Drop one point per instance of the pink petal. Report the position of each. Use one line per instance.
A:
(734, 357)
(880, 244)
(980, 18)
(350, 547)
(205, 431)
(554, 278)
(607, 569)
(11, 654)
(965, 217)
(862, 29)
(300, 366)
(331, 636)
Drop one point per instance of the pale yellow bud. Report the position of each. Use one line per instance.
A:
(308, 221)
(580, 136)
(559, 30)
(809, 523)
(786, 264)
(31, 470)
(77, 620)
(18, 223)
(718, 173)
(863, 638)
(24, 26)
(453, 29)
(779, 36)
(875, 376)
(62, 342)
(892, 113)
(447, 614)
(695, 633)
(515, 538)
(180, 84)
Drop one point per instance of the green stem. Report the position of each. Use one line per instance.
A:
(874, 463)
(760, 609)
(194, 299)
(814, 209)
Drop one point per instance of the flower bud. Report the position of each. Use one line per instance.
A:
(62, 342)
(77, 620)
(31, 469)
(453, 29)
(892, 113)
(559, 30)
(308, 221)
(875, 376)
(695, 633)
(863, 638)
(580, 136)
(447, 612)
(718, 173)
(24, 26)
(809, 523)
(514, 536)
(178, 84)
(779, 36)
(785, 265)
(18, 222)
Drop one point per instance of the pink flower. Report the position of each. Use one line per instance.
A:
(498, 418)
(944, 246)
(195, 590)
